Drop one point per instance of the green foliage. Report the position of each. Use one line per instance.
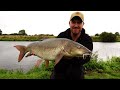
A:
(16, 37)
(102, 66)
(22, 32)
(107, 37)
(0, 32)
(97, 34)
(23, 37)
(95, 38)
(117, 33)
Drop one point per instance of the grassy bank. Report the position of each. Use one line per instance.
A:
(100, 69)
(24, 37)
(38, 37)
(97, 39)
(95, 69)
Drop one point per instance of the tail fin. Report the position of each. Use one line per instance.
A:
(22, 50)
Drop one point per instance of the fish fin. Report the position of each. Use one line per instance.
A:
(22, 50)
(46, 63)
(29, 54)
(58, 58)
(39, 61)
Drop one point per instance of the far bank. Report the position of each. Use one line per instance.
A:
(40, 37)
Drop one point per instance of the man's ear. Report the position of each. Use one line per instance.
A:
(83, 23)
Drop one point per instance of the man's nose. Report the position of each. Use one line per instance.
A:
(76, 25)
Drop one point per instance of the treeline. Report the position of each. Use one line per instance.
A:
(106, 37)
(21, 32)
(22, 36)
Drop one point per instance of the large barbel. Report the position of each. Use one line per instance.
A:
(53, 49)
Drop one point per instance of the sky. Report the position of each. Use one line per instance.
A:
(54, 22)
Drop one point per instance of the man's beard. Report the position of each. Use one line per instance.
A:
(75, 33)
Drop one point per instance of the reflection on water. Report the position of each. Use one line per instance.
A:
(9, 54)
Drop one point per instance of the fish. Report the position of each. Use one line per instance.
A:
(53, 49)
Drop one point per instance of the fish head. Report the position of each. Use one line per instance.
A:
(80, 50)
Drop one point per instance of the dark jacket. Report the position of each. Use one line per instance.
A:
(72, 69)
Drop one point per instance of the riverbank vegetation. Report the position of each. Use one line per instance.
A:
(106, 37)
(45, 36)
(103, 37)
(25, 37)
(95, 69)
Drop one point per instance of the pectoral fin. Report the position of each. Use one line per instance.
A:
(29, 54)
(46, 63)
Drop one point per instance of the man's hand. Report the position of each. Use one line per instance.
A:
(86, 56)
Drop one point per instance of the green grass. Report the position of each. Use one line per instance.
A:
(34, 73)
(23, 37)
(95, 69)
(107, 75)
(103, 69)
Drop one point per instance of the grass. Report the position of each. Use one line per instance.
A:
(109, 69)
(34, 73)
(96, 75)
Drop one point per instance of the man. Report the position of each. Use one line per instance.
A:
(73, 69)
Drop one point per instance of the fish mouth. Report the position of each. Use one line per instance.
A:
(86, 54)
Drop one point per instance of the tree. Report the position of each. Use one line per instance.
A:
(107, 37)
(0, 32)
(117, 33)
(97, 34)
(22, 32)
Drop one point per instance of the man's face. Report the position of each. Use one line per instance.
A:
(76, 26)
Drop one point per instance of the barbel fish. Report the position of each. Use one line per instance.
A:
(53, 49)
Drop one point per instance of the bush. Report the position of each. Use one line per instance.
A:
(108, 37)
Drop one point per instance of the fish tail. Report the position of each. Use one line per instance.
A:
(22, 50)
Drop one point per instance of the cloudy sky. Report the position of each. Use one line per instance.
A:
(54, 22)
